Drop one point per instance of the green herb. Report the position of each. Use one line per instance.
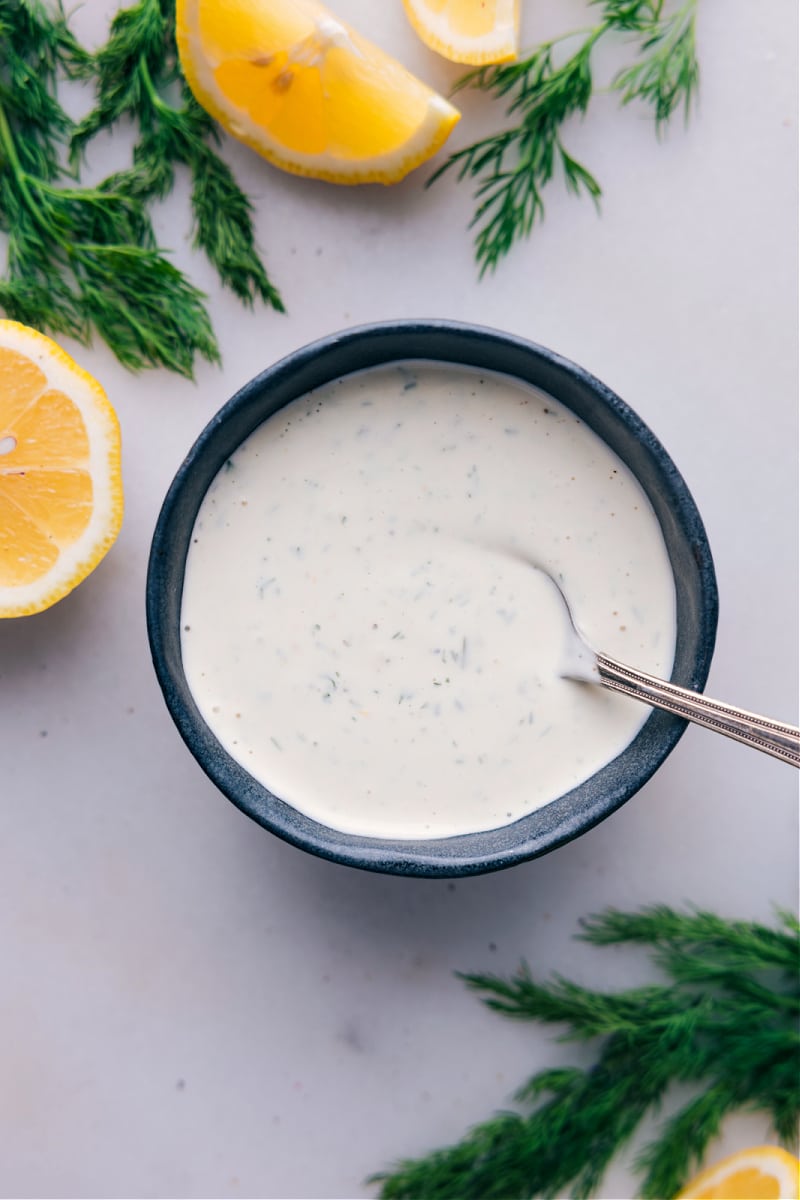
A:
(84, 258)
(136, 71)
(511, 168)
(667, 76)
(727, 1024)
(79, 257)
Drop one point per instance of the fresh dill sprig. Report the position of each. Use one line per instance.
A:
(137, 72)
(667, 75)
(34, 47)
(726, 1023)
(79, 258)
(511, 168)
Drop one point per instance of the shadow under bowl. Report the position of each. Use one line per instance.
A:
(609, 417)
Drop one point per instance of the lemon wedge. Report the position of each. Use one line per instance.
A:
(762, 1173)
(308, 92)
(60, 477)
(468, 31)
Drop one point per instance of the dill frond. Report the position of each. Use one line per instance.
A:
(667, 75)
(83, 259)
(137, 74)
(509, 170)
(726, 1023)
(79, 258)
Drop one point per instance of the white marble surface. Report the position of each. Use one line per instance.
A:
(189, 1007)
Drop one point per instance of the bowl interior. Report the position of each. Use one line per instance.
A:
(488, 350)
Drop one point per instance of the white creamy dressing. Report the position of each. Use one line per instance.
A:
(361, 627)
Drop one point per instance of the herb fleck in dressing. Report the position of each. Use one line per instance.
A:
(361, 629)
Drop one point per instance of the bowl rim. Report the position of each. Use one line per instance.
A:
(530, 836)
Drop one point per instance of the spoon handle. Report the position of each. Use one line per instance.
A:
(773, 737)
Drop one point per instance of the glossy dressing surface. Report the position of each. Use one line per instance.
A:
(361, 626)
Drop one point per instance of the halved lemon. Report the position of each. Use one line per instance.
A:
(60, 478)
(307, 91)
(468, 31)
(763, 1173)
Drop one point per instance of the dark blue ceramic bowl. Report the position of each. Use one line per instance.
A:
(609, 417)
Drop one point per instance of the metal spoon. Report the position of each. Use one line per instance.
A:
(587, 665)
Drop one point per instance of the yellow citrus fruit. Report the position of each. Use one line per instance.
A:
(307, 91)
(763, 1173)
(60, 479)
(468, 31)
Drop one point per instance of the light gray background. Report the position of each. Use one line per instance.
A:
(189, 1007)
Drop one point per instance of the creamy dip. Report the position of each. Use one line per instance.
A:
(362, 630)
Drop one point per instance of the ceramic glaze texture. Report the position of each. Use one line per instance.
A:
(362, 628)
